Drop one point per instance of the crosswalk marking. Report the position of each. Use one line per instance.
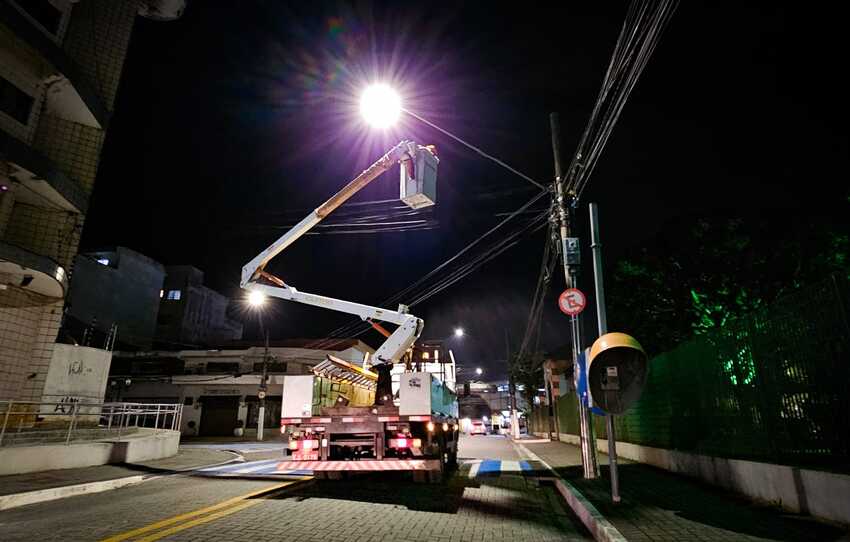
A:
(496, 467)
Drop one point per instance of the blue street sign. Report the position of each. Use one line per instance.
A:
(581, 383)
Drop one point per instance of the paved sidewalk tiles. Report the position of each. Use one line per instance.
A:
(659, 505)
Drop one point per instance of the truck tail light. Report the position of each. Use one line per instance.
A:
(293, 444)
(401, 442)
(417, 443)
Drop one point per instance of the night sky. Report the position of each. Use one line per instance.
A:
(234, 122)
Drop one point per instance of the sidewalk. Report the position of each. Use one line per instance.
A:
(659, 505)
(20, 489)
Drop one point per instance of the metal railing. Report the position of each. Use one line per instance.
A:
(28, 422)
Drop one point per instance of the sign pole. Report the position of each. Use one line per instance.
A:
(602, 320)
(570, 253)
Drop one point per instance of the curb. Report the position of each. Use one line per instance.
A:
(15, 500)
(601, 529)
(43, 495)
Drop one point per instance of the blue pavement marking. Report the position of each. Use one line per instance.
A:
(495, 467)
(490, 466)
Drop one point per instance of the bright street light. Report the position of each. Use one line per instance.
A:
(256, 298)
(478, 371)
(458, 332)
(380, 105)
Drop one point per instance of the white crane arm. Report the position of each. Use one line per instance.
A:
(409, 326)
(249, 271)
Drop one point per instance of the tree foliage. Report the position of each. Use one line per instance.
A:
(701, 273)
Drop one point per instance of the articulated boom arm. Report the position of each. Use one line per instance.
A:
(384, 163)
(254, 277)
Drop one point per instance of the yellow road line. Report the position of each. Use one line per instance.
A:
(201, 511)
(199, 521)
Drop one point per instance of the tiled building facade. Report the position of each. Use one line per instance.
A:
(60, 66)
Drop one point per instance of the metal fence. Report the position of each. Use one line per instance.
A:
(774, 387)
(29, 423)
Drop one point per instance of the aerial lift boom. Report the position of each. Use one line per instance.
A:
(416, 161)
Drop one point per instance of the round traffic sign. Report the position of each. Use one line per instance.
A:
(261, 394)
(572, 301)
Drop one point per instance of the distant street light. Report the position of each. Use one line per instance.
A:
(256, 298)
(380, 105)
(478, 371)
(458, 332)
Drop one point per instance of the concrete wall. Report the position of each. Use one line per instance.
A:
(822, 494)
(143, 446)
(77, 373)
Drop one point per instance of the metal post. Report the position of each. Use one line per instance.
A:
(512, 390)
(262, 414)
(5, 420)
(601, 318)
(156, 419)
(588, 448)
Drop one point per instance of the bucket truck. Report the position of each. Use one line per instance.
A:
(345, 416)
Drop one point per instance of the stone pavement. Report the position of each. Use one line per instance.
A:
(659, 505)
(494, 505)
(186, 459)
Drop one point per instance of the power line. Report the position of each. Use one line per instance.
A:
(415, 292)
(476, 149)
(645, 22)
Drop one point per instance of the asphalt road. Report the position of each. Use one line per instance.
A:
(493, 496)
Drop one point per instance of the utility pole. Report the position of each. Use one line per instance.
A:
(511, 389)
(262, 393)
(602, 320)
(570, 253)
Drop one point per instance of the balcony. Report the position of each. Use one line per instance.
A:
(31, 272)
(70, 94)
(43, 184)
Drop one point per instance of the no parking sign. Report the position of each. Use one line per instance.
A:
(572, 301)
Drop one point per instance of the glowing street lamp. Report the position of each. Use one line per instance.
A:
(256, 298)
(458, 332)
(380, 105)
(478, 371)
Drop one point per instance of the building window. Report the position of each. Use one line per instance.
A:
(44, 13)
(173, 295)
(103, 261)
(15, 102)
